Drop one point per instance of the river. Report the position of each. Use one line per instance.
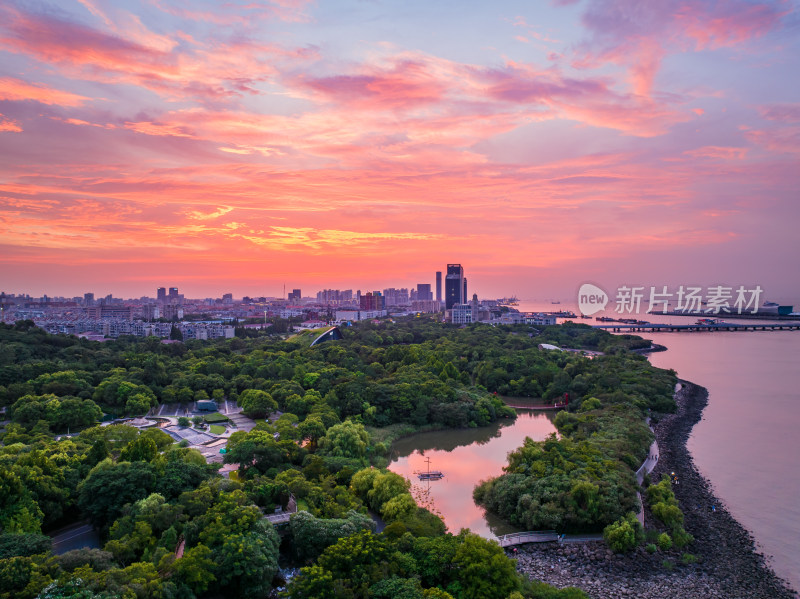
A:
(746, 445)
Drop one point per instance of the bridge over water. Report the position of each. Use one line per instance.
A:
(695, 328)
(520, 538)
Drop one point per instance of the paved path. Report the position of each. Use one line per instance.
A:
(646, 468)
(75, 536)
(519, 538)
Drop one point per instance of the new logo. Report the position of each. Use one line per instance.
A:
(591, 299)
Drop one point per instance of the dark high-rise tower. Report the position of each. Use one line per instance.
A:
(424, 291)
(454, 285)
(439, 286)
(161, 294)
(464, 296)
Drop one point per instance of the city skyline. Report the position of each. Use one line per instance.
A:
(315, 144)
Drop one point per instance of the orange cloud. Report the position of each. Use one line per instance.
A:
(9, 125)
(16, 89)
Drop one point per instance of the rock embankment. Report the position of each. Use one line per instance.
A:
(728, 565)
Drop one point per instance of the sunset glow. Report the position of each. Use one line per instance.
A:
(239, 146)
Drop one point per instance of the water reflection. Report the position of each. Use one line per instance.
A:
(466, 457)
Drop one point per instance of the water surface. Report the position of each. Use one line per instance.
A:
(466, 456)
(748, 443)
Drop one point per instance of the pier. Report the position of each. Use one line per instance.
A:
(695, 328)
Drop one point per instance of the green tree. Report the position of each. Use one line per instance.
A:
(19, 513)
(195, 568)
(143, 449)
(138, 404)
(484, 570)
(12, 545)
(109, 486)
(311, 535)
(247, 563)
(311, 429)
(257, 403)
(348, 440)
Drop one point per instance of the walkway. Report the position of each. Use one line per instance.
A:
(284, 515)
(519, 538)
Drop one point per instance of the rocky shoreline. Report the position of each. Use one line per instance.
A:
(728, 565)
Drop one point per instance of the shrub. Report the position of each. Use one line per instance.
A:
(681, 538)
(183, 421)
(667, 564)
(664, 542)
(688, 558)
(624, 534)
(669, 514)
(651, 548)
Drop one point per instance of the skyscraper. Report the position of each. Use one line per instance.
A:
(372, 301)
(161, 294)
(424, 292)
(439, 286)
(454, 285)
(464, 296)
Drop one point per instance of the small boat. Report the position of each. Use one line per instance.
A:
(430, 474)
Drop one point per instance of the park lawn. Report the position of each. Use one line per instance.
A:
(215, 417)
(217, 429)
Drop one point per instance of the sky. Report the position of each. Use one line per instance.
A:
(243, 145)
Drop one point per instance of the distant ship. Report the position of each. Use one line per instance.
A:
(770, 305)
(708, 321)
(555, 302)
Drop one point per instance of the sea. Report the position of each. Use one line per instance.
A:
(748, 442)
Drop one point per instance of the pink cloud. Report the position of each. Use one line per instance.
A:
(725, 24)
(783, 140)
(8, 125)
(638, 35)
(133, 55)
(787, 113)
(723, 153)
(16, 89)
(406, 83)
